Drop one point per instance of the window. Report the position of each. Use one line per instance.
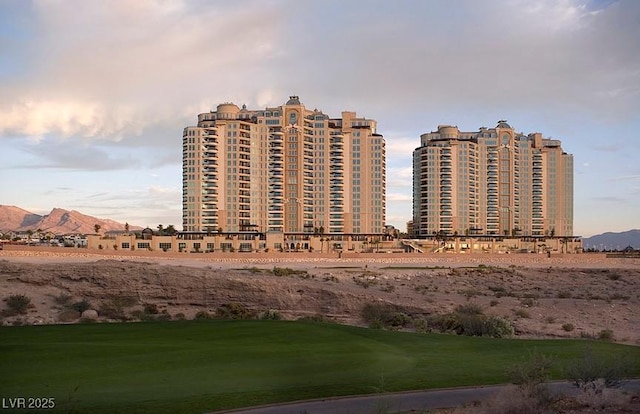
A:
(165, 246)
(143, 245)
(126, 245)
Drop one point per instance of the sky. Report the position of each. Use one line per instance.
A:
(94, 94)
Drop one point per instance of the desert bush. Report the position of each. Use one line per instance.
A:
(499, 291)
(494, 303)
(179, 316)
(470, 324)
(203, 315)
(522, 313)
(80, 306)
(151, 309)
(613, 276)
(530, 376)
(271, 314)
(62, 299)
(384, 315)
(497, 327)
(568, 327)
(563, 294)
(234, 310)
(605, 335)
(331, 278)
(512, 400)
(388, 288)
(17, 305)
(550, 319)
(470, 309)
(365, 280)
(532, 371)
(613, 370)
(448, 322)
(115, 307)
(528, 302)
(285, 271)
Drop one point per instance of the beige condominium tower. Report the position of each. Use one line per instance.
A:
(283, 169)
(494, 181)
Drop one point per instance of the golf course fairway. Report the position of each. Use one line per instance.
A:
(203, 366)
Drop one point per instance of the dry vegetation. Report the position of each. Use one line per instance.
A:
(571, 300)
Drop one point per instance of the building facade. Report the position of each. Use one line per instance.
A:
(494, 181)
(284, 169)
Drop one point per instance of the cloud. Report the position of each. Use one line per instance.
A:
(79, 158)
(113, 69)
(399, 197)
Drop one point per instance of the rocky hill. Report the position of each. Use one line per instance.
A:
(59, 221)
(614, 240)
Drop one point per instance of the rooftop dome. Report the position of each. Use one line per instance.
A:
(503, 124)
(293, 100)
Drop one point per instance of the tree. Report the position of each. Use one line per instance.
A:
(170, 230)
(96, 228)
(160, 229)
(126, 227)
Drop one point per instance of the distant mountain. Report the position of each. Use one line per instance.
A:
(58, 221)
(614, 240)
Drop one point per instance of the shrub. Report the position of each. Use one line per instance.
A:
(568, 327)
(384, 315)
(115, 307)
(470, 309)
(494, 303)
(536, 369)
(203, 315)
(521, 313)
(271, 314)
(497, 327)
(285, 271)
(614, 276)
(80, 306)
(605, 335)
(550, 319)
(589, 369)
(17, 305)
(234, 310)
(366, 279)
(179, 316)
(62, 299)
(564, 294)
(151, 309)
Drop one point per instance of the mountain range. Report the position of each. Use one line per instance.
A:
(58, 221)
(613, 241)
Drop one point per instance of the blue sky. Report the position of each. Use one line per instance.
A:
(94, 95)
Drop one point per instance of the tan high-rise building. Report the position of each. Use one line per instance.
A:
(491, 182)
(283, 169)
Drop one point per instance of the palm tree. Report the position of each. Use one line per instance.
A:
(170, 230)
(96, 228)
(160, 229)
(126, 227)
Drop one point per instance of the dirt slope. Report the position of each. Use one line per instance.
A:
(539, 301)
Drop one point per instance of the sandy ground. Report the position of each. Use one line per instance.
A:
(539, 295)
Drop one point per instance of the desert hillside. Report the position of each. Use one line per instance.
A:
(58, 221)
(588, 298)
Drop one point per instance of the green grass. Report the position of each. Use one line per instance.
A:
(200, 366)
